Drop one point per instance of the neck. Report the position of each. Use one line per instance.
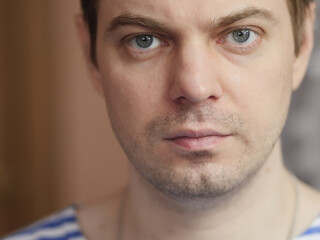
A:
(267, 199)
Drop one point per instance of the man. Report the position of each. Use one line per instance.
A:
(198, 94)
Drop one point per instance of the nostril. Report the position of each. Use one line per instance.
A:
(182, 100)
(194, 93)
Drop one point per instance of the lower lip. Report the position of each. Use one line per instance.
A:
(199, 143)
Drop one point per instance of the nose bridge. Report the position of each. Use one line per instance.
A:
(191, 58)
(195, 76)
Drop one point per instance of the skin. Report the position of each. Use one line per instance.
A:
(196, 78)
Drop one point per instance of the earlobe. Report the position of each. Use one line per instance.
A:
(302, 59)
(84, 37)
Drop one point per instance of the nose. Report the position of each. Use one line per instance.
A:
(195, 75)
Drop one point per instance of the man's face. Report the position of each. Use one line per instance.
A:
(197, 91)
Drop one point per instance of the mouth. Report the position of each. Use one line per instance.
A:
(196, 140)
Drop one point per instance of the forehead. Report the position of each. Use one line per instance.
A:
(184, 12)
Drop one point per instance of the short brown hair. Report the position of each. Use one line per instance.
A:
(297, 10)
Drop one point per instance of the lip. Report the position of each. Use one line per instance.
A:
(196, 140)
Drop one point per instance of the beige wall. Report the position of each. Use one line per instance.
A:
(56, 143)
(89, 159)
(25, 79)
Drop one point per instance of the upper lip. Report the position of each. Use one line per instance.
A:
(189, 133)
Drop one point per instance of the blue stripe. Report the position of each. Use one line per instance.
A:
(311, 231)
(51, 224)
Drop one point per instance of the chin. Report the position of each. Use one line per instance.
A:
(204, 179)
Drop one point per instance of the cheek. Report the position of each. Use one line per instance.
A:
(263, 95)
(133, 93)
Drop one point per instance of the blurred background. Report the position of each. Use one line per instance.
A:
(56, 144)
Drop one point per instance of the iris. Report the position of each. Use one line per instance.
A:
(144, 41)
(241, 35)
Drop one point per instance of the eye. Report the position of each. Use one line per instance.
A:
(144, 42)
(241, 40)
(241, 36)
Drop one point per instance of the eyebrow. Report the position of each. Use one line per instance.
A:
(128, 19)
(136, 20)
(250, 12)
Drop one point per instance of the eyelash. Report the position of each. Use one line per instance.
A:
(236, 48)
(239, 48)
(143, 52)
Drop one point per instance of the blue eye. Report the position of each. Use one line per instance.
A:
(241, 36)
(145, 42)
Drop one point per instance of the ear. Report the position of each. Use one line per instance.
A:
(302, 60)
(84, 36)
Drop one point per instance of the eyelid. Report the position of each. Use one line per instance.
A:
(239, 48)
(133, 43)
(144, 54)
(131, 36)
(254, 29)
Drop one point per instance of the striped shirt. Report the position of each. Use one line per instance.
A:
(313, 231)
(59, 226)
(64, 226)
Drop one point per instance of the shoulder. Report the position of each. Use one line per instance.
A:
(59, 226)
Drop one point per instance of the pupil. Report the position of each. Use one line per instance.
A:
(144, 41)
(241, 35)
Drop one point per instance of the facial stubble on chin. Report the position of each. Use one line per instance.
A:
(173, 181)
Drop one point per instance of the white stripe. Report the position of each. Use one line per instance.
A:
(316, 223)
(314, 236)
(47, 233)
(78, 238)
